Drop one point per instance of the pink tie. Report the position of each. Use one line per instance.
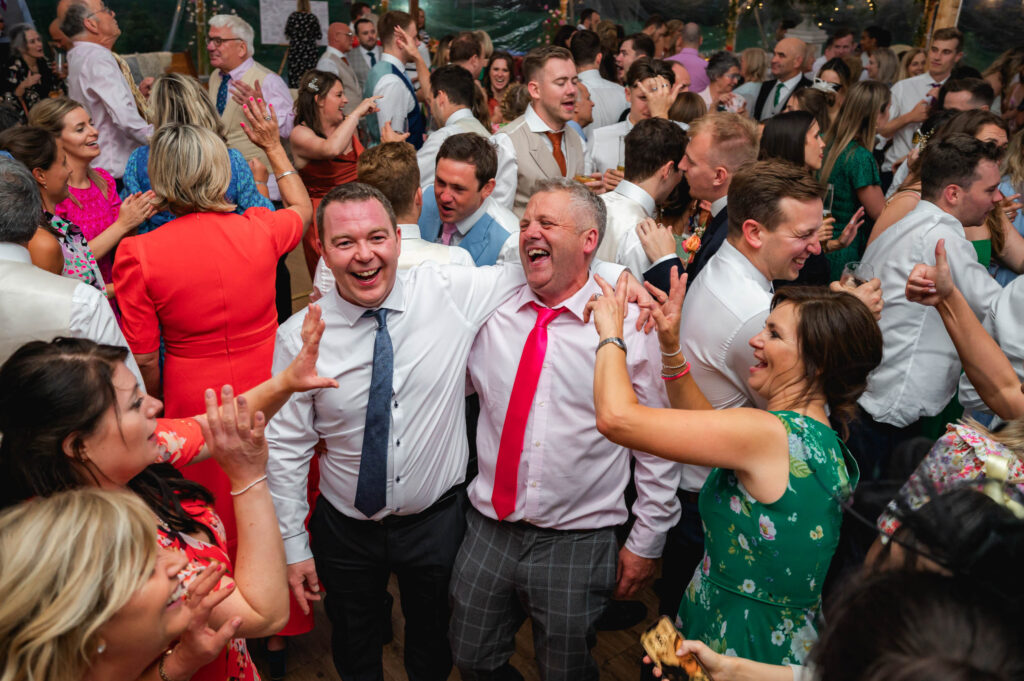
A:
(510, 448)
(448, 229)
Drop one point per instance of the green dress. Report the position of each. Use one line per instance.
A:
(757, 592)
(854, 169)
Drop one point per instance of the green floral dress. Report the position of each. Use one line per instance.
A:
(757, 592)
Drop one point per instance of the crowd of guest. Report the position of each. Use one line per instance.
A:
(615, 309)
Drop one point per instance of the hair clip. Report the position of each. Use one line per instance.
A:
(824, 86)
(312, 85)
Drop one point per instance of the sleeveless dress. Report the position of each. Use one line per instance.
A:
(321, 177)
(757, 592)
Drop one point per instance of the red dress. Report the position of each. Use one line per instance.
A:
(321, 177)
(182, 439)
(205, 283)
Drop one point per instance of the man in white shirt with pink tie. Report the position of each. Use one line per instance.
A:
(540, 538)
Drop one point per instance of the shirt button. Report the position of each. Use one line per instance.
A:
(396, 404)
(398, 443)
(398, 478)
(536, 443)
(533, 483)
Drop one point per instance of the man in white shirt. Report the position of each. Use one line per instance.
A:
(589, 19)
(100, 81)
(920, 368)
(365, 55)
(466, 51)
(453, 89)
(912, 97)
(36, 304)
(787, 67)
(608, 97)
(838, 45)
(335, 60)
(391, 168)
(458, 209)
(774, 212)
(654, 151)
(540, 539)
(397, 104)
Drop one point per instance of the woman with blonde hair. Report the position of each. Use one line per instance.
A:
(486, 44)
(850, 167)
(93, 203)
(753, 67)
(89, 594)
(177, 98)
(1012, 183)
(912, 63)
(883, 65)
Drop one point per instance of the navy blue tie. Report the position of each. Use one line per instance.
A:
(222, 93)
(371, 490)
(373, 58)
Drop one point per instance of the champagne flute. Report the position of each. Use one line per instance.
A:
(827, 201)
(856, 274)
(621, 167)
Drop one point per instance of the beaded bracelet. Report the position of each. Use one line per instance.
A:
(673, 366)
(672, 354)
(686, 370)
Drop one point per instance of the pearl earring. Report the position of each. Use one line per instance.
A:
(101, 648)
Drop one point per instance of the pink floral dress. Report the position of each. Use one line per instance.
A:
(181, 440)
(95, 213)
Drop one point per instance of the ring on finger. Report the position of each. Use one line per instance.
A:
(267, 117)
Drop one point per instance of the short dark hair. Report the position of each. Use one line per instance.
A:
(642, 43)
(651, 144)
(982, 93)
(464, 47)
(21, 209)
(390, 21)
(645, 68)
(881, 36)
(456, 82)
(360, 21)
(949, 33)
(839, 34)
(654, 20)
(32, 146)
(839, 342)
(783, 137)
(585, 47)
(353, 192)
(953, 160)
(468, 147)
(757, 188)
(537, 58)
(392, 168)
(586, 14)
(357, 9)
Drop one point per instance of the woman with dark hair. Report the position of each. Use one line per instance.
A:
(772, 505)
(59, 247)
(835, 76)
(73, 416)
(563, 35)
(499, 74)
(687, 107)
(794, 136)
(815, 101)
(28, 78)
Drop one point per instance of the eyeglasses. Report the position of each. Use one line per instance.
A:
(102, 10)
(217, 42)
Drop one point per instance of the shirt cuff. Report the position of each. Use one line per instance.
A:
(296, 548)
(645, 542)
(663, 259)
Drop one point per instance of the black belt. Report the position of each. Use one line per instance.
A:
(446, 500)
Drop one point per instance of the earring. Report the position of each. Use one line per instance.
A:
(101, 648)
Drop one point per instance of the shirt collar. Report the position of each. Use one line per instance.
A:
(689, 50)
(88, 45)
(590, 75)
(638, 194)
(410, 231)
(575, 303)
(535, 123)
(466, 224)
(458, 116)
(239, 71)
(731, 255)
(352, 313)
(929, 207)
(335, 51)
(718, 204)
(14, 253)
(791, 83)
(393, 60)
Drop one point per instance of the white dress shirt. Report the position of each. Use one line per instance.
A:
(325, 63)
(627, 205)
(508, 169)
(365, 55)
(570, 476)
(415, 250)
(96, 81)
(609, 100)
(726, 307)
(920, 368)
(396, 101)
(770, 109)
(906, 94)
(605, 147)
(426, 157)
(91, 316)
(1005, 323)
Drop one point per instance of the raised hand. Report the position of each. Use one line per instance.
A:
(931, 284)
(237, 444)
(301, 374)
(261, 128)
(608, 308)
(668, 311)
(389, 135)
(850, 231)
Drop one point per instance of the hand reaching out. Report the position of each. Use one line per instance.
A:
(931, 284)
(389, 135)
(238, 445)
(261, 127)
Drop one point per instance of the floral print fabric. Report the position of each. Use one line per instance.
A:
(79, 262)
(757, 592)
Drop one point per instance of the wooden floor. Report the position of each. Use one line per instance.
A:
(617, 653)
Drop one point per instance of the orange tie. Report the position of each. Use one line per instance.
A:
(556, 151)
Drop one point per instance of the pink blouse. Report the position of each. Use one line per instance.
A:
(95, 214)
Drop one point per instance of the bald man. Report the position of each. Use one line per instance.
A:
(335, 60)
(787, 67)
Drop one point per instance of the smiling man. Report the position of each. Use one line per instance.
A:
(787, 66)
(538, 145)
(540, 540)
(458, 209)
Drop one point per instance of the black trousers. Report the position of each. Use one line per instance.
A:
(684, 549)
(355, 559)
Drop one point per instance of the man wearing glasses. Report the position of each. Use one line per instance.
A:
(101, 81)
(335, 60)
(236, 78)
